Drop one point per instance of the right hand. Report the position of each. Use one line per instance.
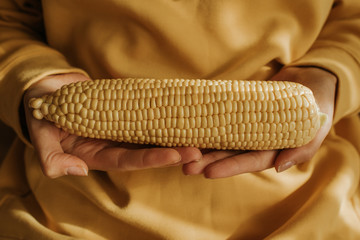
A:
(61, 153)
(226, 163)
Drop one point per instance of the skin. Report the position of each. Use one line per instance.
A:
(61, 153)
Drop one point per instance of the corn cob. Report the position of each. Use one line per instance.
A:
(219, 114)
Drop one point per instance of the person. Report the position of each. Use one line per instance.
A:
(55, 185)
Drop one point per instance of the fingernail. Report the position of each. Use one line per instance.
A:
(285, 166)
(76, 171)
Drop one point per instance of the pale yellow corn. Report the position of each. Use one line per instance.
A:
(220, 114)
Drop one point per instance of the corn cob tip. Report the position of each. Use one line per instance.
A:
(37, 114)
(35, 104)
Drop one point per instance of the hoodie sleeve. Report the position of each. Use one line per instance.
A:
(24, 56)
(337, 49)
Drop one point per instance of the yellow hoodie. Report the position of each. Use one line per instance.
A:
(232, 39)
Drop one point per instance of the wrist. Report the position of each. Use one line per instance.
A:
(320, 72)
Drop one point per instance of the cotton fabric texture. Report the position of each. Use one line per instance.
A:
(229, 39)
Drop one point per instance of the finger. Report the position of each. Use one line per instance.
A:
(290, 157)
(197, 167)
(189, 154)
(253, 161)
(54, 162)
(117, 158)
(105, 155)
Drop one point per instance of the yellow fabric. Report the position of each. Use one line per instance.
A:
(229, 39)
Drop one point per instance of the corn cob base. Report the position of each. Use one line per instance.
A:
(219, 114)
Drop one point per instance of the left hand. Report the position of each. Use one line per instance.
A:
(218, 164)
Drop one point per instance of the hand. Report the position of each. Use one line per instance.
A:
(61, 153)
(217, 164)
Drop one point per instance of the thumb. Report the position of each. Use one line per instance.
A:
(54, 162)
(290, 157)
(57, 163)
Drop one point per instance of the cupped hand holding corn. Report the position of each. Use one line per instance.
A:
(218, 114)
(61, 153)
(217, 164)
